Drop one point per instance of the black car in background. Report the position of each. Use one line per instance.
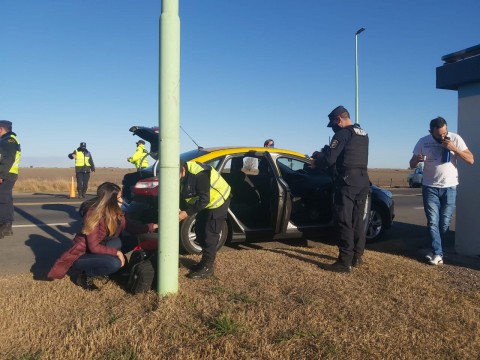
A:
(276, 195)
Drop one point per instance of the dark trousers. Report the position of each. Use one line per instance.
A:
(208, 226)
(6, 201)
(82, 182)
(349, 206)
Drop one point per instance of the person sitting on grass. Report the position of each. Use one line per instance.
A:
(98, 250)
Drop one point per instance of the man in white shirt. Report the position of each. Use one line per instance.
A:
(439, 151)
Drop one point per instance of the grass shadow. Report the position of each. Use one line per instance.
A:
(296, 254)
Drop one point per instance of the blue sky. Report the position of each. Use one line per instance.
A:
(84, 70)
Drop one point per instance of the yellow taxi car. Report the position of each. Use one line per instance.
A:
(276, 195)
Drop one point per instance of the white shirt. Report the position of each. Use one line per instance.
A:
(436, 173)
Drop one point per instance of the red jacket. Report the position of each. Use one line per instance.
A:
(93, 245)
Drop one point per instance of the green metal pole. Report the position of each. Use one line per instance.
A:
(169, 140)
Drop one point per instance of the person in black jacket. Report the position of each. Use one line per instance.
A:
(348, 155)
(9, 162)
(83, 166)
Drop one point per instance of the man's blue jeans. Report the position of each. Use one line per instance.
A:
(439, 204)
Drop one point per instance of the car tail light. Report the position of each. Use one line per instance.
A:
(147, 187)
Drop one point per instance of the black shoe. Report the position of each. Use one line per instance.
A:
(357, 261)
(340, 267)
(204, 272)
(86, 282)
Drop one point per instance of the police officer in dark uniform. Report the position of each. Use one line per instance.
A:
(205, 195)
(9, 162)
(347, 154)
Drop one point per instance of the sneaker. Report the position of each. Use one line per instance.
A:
(436, 260)
(429, 256)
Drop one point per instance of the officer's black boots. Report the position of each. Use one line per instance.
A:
(357, 261)
(197, 266)
(204, 269)
(341, 267)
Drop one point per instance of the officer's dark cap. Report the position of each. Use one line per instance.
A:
(339, 110)
(5, 124)
(83, 145)
(140, 142)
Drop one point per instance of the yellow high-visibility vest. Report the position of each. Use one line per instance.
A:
(16, 163)
(81, 159)
(219, 188)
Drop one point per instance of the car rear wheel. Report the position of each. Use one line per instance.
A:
(376, 224)
(188, 239)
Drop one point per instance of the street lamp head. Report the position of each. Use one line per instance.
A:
(360, 31)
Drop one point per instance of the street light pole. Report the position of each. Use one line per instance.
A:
(356, 73)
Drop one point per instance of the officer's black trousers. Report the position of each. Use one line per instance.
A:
(6, 200)
(208, 226)
(82, 182)
(349, 205)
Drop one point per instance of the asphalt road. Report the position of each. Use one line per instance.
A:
(45, 224)
(43, 228)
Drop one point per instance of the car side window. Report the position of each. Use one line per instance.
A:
(213, 163)
(292, 164)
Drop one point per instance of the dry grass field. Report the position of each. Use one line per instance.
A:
(32, 180)
(278, 303)
(262, 304)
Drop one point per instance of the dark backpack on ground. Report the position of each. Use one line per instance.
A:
(142, 266)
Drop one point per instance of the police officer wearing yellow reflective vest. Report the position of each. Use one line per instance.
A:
(205, 193)
(139, 157)
(83, 166)
(348, 155)
(9, 161)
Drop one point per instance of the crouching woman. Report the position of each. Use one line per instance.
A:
(96, 250)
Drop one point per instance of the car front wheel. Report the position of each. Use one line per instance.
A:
(376, 224)
(188, 239)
